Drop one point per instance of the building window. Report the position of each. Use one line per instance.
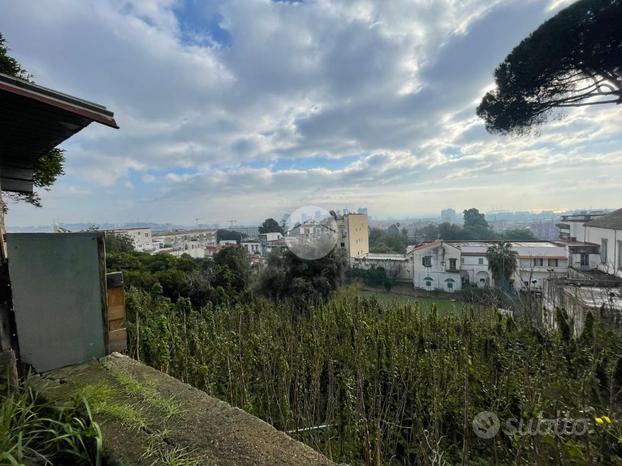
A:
(452, 264)
(450, 286)
(480, 261)
(585, 260)
(427, 261)
(619, 255)
(553, 262)
(538, 262)
(462, 260)
(428, 284)
(603, 250)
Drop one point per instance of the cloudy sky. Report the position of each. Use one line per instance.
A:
(243, 109)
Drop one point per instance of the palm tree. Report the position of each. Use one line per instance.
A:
(502, 262)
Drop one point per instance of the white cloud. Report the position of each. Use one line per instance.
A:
(358, 102)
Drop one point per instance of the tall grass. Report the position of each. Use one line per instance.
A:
(32, 431)
(391, 384)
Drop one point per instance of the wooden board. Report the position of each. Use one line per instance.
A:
(117, 333)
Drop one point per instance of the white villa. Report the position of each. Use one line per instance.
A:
(450, 265)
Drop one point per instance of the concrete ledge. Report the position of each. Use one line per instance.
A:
(148, 417)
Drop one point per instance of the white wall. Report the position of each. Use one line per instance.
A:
(437, 276)
(399, 269)
(252, 248)
(613, 262)
(476, 267)
(141, 238)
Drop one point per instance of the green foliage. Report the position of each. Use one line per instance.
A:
(118, 243)
(473, 218)
(388, 284)
(571, 60)
(475, 227)
(33, 431)
(48, 168)
(391, 381)
(374, 276)
(502, 263)
(233, 268)
(288, 276)
(429, 232)
(391, 240)
(449, 231)
(270, 225)
(199, 280)
(518, 234)
(9, 65)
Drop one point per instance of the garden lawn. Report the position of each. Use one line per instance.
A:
(442, 304)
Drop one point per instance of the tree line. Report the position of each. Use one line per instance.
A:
(475, 227)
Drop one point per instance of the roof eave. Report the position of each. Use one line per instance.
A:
(56, 99)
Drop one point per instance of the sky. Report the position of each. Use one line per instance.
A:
(247, 109)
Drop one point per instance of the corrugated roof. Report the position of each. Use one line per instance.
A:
(612, 220)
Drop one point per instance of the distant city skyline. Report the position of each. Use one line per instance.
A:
(437, 217)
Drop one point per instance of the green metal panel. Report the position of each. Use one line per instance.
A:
(57, 283)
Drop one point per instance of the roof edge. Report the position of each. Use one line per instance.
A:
(84, 108)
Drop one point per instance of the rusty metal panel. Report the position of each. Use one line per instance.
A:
(59, 297)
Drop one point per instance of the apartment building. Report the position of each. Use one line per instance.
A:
(141, 237)
(179, 242)
(353, 234)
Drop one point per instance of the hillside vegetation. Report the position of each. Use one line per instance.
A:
(371, 383)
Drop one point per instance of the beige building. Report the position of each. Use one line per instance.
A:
(353, 234)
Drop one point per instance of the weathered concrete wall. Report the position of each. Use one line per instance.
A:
(147, 416)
